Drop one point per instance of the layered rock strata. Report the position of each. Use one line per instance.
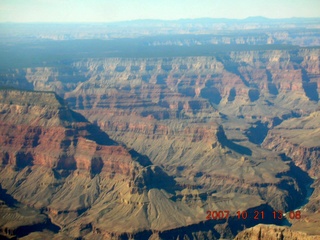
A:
(299, 139)
(272, 232)
(87, 184)
(190, 116)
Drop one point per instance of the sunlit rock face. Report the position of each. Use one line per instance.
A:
(272, 232)
(298, 139)
(55, 161)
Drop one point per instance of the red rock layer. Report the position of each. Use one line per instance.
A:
(33, 135)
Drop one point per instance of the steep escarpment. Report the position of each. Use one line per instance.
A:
(38, 129)
(272, 232)
(258, 86)
(298, 138)
(138, 101)
(57, 162)
(310, 221)
(257, 80)
(170, 108)
(196, 118)
(54, 160)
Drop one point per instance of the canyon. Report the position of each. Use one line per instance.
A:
(123, 147)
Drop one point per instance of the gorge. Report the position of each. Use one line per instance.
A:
(121, 147)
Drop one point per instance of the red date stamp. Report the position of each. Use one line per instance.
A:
(216, 215)
(256, 215)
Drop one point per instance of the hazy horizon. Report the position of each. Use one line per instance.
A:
(154, 19)
(98, 11)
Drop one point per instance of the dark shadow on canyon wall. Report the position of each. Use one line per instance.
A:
(310, 88)
(225, 142)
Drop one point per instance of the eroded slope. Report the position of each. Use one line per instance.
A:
(299, 139)
(55, 161)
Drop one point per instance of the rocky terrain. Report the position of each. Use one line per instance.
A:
(145, 102)
(272, 232)
(161, 140)
(298, 139)
(73, 177)
(56, 162)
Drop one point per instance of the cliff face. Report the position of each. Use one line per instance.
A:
(138, 101)
(253, 84)
(272, 232)
(298, 139)
(38, 129)
(55, 161)
(192, 117)
(170, 108)
(238, 77)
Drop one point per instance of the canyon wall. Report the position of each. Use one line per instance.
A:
(177, 138)
(270, 232)
(85, 183)
(299, 140)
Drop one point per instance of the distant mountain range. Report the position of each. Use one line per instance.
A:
(253, 19)
(219, 20)
(290, 31)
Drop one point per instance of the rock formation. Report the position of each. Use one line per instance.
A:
(86, 184)
(298, 138)
(272, 232)
(56, 161)
(187, 135)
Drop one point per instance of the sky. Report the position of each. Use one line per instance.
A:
(122, 10)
